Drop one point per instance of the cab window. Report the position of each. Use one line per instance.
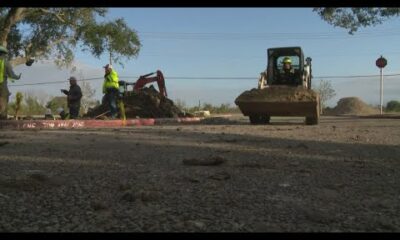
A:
(295, 62)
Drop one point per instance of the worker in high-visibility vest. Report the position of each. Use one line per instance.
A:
(6, 72)
(111, 89)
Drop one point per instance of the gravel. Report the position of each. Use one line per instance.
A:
(280, 177)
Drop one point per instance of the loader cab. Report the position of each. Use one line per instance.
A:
(275, 66)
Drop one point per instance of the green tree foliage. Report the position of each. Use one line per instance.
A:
(16, 107)
(223, 108)
(393, 106)
(55, 33)
(32, 104)
(57, 102)
(207, 107)
(354, 18)
(325, 91)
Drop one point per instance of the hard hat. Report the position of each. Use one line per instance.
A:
(108, 66)
(287, 60)
(72, 79)
(3, 49)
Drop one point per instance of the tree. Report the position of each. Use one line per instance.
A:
(55, 33)
(354, 18)
(16, 106)
(393, 106)
(87, 100)
(325, 91)
(57, 102)
(34, 104)
(180, 104)
(208, 107)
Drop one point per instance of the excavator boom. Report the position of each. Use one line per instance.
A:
(145, 79)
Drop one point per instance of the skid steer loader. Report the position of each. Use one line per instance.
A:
(279, 96)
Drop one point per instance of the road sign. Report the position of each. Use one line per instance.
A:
(381, 62)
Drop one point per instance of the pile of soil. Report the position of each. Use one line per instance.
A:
(278, 94)
(147, 103)
(351, 106)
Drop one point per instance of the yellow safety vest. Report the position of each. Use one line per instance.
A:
(2, 61)
(111, 81)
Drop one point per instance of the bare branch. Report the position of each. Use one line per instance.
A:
(58, 16)
(28, 54)
(18, 61)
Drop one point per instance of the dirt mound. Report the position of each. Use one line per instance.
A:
(278, 94)
(146, 103)
(352, 106)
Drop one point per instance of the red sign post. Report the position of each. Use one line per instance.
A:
(381, 63)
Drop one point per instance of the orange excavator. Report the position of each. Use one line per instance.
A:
(142, 81)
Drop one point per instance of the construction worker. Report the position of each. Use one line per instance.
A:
(6, 72)
(111, 89)
(287, 75)
(74, 96)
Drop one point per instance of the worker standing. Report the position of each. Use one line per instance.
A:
(6, 72)
(74, 96)
(111, 89)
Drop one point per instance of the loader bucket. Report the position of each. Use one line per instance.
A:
(261, 104)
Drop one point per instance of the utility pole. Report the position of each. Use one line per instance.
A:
(109, 49)
(381, 70)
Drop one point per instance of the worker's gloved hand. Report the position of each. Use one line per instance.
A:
(64, 91)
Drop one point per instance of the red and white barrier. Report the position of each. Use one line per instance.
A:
(76, 123)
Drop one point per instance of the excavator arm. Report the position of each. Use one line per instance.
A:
(145, 79)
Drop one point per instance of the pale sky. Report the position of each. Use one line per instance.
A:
(233, 42)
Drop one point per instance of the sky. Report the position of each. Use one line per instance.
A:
(233, 42)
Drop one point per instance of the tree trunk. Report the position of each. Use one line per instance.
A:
(13, 16)
(4, 96)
